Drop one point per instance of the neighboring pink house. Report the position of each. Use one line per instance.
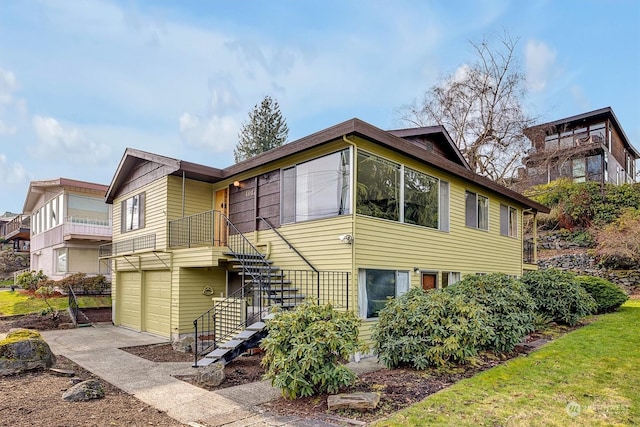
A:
(69, 221)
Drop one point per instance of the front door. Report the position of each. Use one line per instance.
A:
(429, 281)
(220, 231)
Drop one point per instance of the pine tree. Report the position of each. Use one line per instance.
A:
(265, 129)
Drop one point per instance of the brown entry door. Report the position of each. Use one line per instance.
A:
(220, 224)
(429, 281)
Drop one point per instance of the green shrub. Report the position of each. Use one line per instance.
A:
(30, 279)
(607, 295)
(510, 309)
(80, 282)
(434, 328)
(583, 203)
(558, 295)
(305, 349)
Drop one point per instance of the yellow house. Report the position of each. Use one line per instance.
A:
(349, 215)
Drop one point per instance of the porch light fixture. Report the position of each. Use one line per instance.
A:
(236, 183)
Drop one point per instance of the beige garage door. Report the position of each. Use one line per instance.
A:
(128, 299)
(157, 302)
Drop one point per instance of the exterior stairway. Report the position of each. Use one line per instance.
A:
(263, 286)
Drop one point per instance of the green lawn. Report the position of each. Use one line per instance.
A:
(587, 377)
(13, 303)
(6, 283)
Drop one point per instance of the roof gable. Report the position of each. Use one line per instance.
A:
(138, 168)
(38, 187)
(435, 139)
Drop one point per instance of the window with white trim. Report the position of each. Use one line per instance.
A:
(319, 188)
(61, 260)
(132, 213)
(375, 287)
(449, 278)
(508, 221)
(476, 210)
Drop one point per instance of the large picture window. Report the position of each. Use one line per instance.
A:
(377, 286)
(392, 191)
(132, 212)
(420, 199)
(378, 189)
(316, 189)
(476, 211)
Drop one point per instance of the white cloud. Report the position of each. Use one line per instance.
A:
(539, 62)
(11, 174)
(580, 97)
(12, 109)
(57, 142)
(8, 84)
(217, 130)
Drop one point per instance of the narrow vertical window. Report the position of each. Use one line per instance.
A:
(476, 211)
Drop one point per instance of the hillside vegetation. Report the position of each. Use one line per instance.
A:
(605, 217)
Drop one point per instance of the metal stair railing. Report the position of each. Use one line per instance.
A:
(253, 264)
(284, 239)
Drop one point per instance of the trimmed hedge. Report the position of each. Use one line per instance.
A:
(558, 295)
(510, 308)
(607, 295)
(434, 328)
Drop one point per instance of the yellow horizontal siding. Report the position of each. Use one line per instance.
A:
(198, 197)
(155, 220)
(316, 240)
(192, 302)
(205, 256)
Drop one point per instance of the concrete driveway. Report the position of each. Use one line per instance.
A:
(97, 349)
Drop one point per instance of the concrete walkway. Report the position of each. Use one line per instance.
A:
(97, 349)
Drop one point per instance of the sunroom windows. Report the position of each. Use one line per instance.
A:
(395, 192)
(319, 188)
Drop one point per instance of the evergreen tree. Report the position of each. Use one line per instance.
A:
(265, 129)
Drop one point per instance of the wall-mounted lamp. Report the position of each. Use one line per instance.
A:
(416, 269)
(346, 238)
(236, 183)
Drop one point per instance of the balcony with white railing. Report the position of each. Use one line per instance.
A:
(86, 228)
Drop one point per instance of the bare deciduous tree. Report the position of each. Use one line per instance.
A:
(482, 107)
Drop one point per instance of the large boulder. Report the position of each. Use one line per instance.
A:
(86, 390)
(184, 345)
(24, 350)
(212, 375)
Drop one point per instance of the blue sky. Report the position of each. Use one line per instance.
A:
(82, 80)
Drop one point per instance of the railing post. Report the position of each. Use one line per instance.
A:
(348, 294)
(195, 344)
(189, 232)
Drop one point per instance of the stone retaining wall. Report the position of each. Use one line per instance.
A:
(11, 261)
(583, 264)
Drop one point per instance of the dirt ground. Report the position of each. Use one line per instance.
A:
(35, 399)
